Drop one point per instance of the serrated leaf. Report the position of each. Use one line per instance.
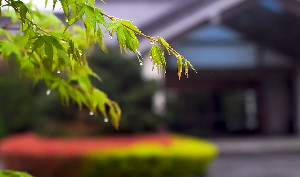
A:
(100, 39)
(115, 114)
(121, 38)
(132, 42)
(23, 12)
(99, 16)
(112, 26)
(164, 44)
(65, 7)
(49, 50)
(38, 43)
(55, 43)
(85, 84)
(179, 65)
(63, 95)
(129, 25)
(24, 39)
(90, 16)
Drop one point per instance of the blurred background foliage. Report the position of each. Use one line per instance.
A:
(26, 107)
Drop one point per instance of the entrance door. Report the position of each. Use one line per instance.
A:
(217, 113)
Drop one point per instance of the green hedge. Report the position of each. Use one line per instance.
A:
(185, 156)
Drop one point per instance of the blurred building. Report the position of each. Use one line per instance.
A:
(246, 53)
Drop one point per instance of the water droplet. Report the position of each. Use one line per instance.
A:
(67, 20)
(91, 113)
(139, 56)
(32, 20)
(152, 42)
(131, 20)
(58, 72)
(106, 120)
(187, 76)
(177, 55)
(141, 63)
(165, 72)
(48, 92)
(110, 37)
(63, 42)
(150, 57)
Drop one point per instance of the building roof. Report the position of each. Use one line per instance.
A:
(271, 23)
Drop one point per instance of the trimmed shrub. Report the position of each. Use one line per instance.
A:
(184, 156)
(155, 155)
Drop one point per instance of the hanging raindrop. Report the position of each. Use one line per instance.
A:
(58, 72)
(152, 42)
(63, 42)
(141, 63)
(48, 92)
(67, 20)
(139, 56)
(110, 37)
(106, 120)
(187, 76)
(91, 113)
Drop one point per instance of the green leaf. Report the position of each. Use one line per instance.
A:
(56, 44)
(179, 65)
(115, 114)
(132, 42)
(158, 58)
(63, 95)
(99, 16)
(46, 2)
(85, 84)
(112, 26)
(90, 16)
(24, 39)
(49, 50)
(23, 12)
(65, 7)
(121, 38)
(164, 44)
(100, 39)
(38, 43)
(91, 2)
(129, 25)
(54, 3)
(7, 48)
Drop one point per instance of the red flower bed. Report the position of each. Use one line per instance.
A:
(30, 144)
(61, 157)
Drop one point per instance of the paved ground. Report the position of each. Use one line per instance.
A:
(278, 157)
(283, 165)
